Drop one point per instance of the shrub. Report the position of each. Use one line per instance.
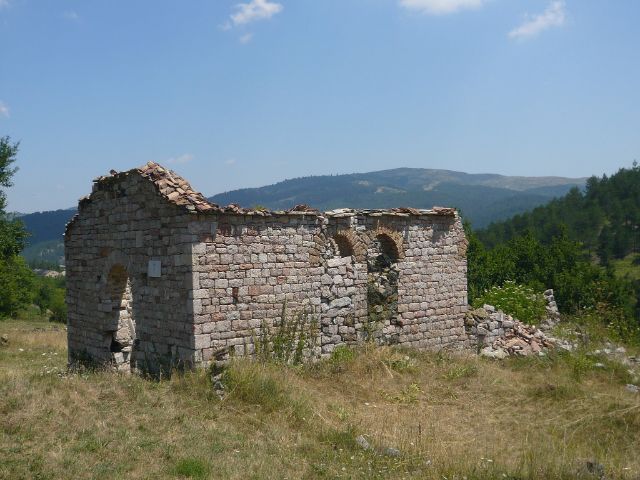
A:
(16, 285)
(49, 295)
(608, 322)
(288, 340)
(341, 357)
(519, 301)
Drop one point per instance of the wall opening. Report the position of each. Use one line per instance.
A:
(337, 293)
(344, 245)
(382, 280)
(122, 338)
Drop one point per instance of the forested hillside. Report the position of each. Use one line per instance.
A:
(605, 218)
(584, 245)
(482, 198)
(44, 226)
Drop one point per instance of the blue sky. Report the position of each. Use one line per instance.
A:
(249, 92)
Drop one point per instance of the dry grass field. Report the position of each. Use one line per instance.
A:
(448, 417)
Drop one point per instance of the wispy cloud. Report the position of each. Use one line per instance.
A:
(231, 161)
(253, 11)
(4, 110)
(71, 15)
(184, 158)
(4, 4)
(553, 16)
(246, 38)
(441, 7)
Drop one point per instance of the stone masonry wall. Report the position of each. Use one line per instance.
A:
(158, 277)
(117, 313)
(251, 265)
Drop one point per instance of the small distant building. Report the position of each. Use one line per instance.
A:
(158, 277)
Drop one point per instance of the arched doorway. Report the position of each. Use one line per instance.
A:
(382, 280)
(122, 336)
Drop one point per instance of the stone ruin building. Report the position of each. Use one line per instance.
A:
(158, 277)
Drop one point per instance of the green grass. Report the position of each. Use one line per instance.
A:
(627, 267)
(450, 416)
(192, 468)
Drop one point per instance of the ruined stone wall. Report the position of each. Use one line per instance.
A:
(246, 267)
(158, 277)
(119, 314)
(431, 278)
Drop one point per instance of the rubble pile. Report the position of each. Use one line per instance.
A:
(523, 340)
(500, 335)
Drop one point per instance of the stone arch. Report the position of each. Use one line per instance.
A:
(117, 305)
(389, 247)
(348, 240)
(385, 249)
(391, 241)
(344, 244)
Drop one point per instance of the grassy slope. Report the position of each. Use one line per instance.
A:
(627, 268)
(449, 415)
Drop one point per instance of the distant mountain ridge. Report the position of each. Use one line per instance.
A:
(482, 198)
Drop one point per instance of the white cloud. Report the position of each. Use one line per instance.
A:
(4, 3)
(553, 16)
(253, 11)
(184, 158)
(4, 110)
(71, 15)
(231, 161)
(246, 38)
(441, 7)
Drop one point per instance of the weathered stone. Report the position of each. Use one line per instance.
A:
(479, 313)
(225, 272)
(391, 452)
(363, 443)
(498, 353)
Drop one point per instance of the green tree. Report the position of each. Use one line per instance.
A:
(16, 279)
(12, 232)
(16, 285)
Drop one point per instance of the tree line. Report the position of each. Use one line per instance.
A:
(20, 288)
(569, 245)
(604, 218)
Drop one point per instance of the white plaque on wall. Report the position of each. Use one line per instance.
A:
(154, 268)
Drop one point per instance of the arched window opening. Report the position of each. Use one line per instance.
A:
(382, 278)
(345, 247)
(385, 252)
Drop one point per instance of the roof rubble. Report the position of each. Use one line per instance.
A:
(179, 192)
